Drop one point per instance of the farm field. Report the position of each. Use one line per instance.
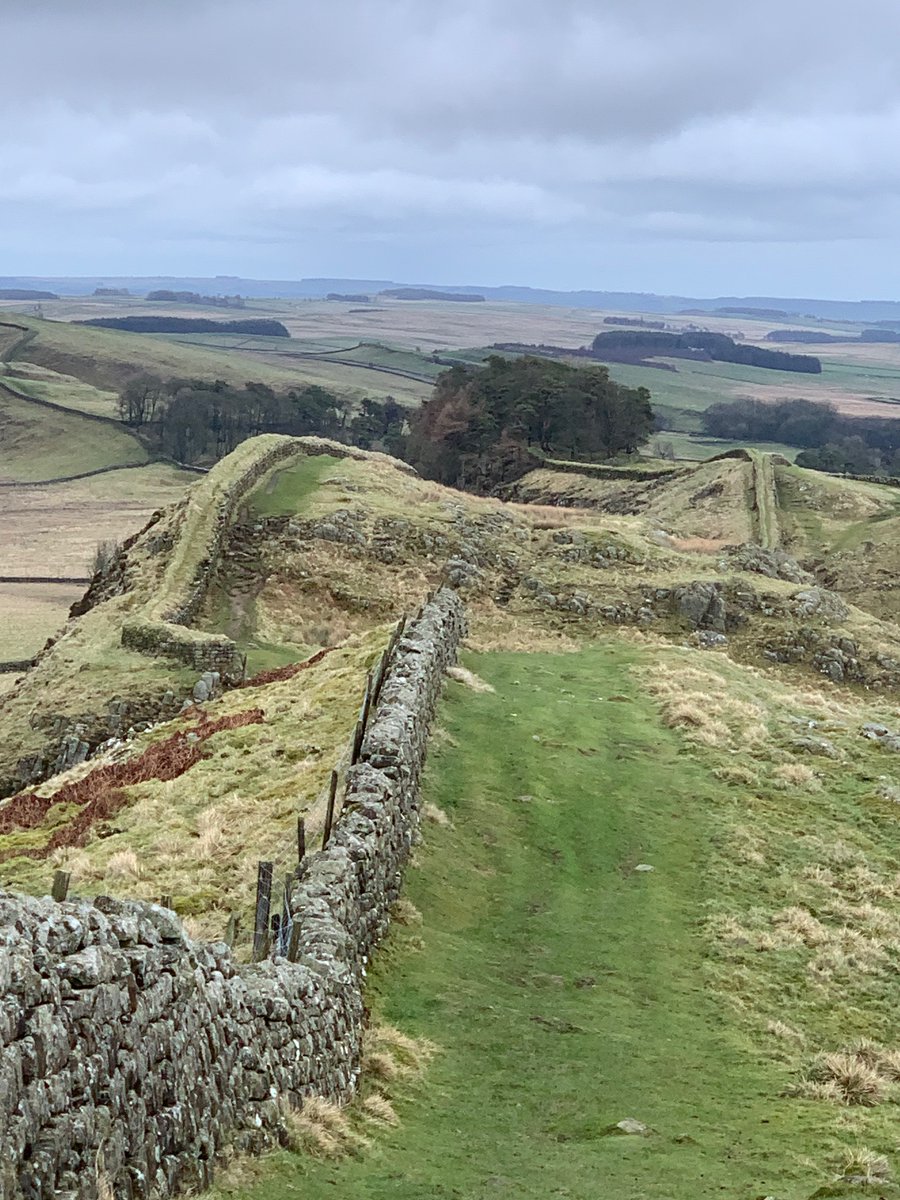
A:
(53, 531)
(695, 447)
(38, 443)
(387, 348)
(30, 613)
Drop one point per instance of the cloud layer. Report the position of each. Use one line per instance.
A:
(697, 147)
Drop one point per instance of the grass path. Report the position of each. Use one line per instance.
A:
(564, 986)
(765, 500)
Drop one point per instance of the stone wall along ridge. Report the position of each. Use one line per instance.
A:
(162, 628)
(132, 1057)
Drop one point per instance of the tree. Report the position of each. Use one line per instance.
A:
(139, 399)
(481, 422)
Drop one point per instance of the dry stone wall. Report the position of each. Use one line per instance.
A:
(132, 1057)
(162, 630)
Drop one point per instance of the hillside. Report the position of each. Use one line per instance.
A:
(660, 859)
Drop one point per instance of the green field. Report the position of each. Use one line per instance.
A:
(37, 443)
(106, 358)
(696, 447)
(566, 989)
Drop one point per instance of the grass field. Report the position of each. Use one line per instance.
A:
(55, 529)
(37, 443)
(862, 390)
(64, 390)
(567, 990)
(695, 447)
(30, 613)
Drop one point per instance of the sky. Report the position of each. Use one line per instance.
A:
(695, 148)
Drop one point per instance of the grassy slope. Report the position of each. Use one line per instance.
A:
(40, 443)
(567, 990)
(106, 358)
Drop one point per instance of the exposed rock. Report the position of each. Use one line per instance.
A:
(819, 602)
(632, 1127)
(776, 564)
(701, 605)
(708, 639)
(815, 745)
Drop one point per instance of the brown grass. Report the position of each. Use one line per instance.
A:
(855, 1081)
(99, 794)
(321, 1128)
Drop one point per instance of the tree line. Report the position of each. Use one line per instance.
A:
(482, 426)
(260, 326)
(629, 345)
(196, 298)
(830, 440)
(198, 421)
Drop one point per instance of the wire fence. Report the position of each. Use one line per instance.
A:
(275, 931)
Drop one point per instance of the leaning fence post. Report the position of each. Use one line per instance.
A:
(329, 814)
(358, 735)
(263, 905)
(60, 885)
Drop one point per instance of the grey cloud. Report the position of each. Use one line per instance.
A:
(413, 130)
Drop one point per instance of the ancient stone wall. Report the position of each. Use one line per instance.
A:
(132, 1057)
(162, 629)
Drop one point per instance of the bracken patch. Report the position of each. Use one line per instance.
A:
(99, 795)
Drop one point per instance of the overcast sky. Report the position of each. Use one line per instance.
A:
(699, 147)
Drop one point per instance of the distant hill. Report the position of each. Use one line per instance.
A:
(26, 294)
(866, 311)
(431, 294)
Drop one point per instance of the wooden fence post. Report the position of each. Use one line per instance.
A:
(60, 885)
(294, 944)
(166, 900)
(301, 839)
(329, 814)
(358, 735)
(231, 929)
(263, 905)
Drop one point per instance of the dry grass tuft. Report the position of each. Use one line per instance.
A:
(124, 864)
(105, 1189)
(696, 723)
(378, 1109)
(813, 1089)
(384, 1066)
(393, 1055)
(856, 1081)
(469, 678)
(803, 925)
(321, 1128)
(210, 832)
(737, 776)
(404, 912)
(796, 775)
(434, 814)
(785, 1033)
(865, 1166)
